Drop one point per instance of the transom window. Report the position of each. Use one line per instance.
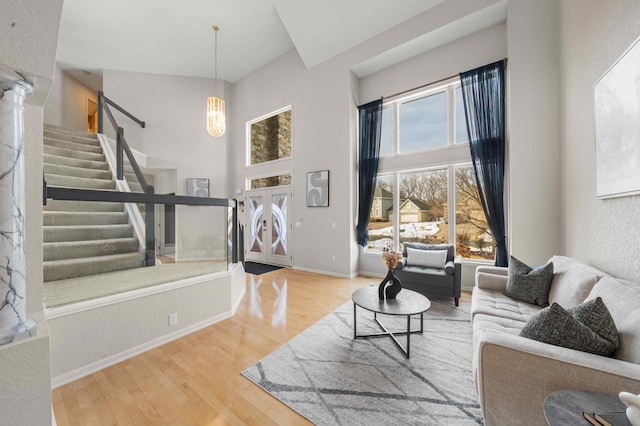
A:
(436, 201)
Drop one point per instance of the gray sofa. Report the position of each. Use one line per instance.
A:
(514, 375)
(443, 281)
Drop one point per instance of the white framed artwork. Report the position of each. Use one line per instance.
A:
(617, 127)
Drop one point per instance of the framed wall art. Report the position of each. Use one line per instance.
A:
(318, 189)
(617, 127)
(198, 187)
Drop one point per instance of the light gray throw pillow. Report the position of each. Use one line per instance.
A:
(559, 327)
(527, 284)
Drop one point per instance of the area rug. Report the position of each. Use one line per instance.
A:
(332, 379)
(256, 268)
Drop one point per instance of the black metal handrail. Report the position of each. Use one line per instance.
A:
(149, 199)
(121, 142)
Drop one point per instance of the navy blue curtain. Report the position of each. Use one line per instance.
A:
(368, 157)
(483, 96)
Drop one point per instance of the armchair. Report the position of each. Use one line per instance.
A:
(433, 272)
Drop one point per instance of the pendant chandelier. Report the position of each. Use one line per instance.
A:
(215, 105)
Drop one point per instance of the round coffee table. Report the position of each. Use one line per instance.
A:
(407, 303)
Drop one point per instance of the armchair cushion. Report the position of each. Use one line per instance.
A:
(426, 258)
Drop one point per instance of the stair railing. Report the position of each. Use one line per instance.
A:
(123, 147)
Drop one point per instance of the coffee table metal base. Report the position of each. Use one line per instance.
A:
(408, 333)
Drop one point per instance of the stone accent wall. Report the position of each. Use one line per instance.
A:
(271, 138)
(271, 181)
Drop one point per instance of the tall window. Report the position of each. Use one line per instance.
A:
(426, 189)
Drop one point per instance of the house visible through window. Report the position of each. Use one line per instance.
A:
(426, 189)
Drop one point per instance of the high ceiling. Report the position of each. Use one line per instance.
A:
(176, 37)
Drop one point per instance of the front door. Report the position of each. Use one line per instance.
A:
(269, 226)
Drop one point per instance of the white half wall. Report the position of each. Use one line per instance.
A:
(93, 335)
(603, 233)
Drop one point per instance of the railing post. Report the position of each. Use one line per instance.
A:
(119, 154)
(100, 112)
(150, 232)
(234, 237)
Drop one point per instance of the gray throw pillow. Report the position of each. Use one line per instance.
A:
(595, 315)
(527, 284)
(556, 326)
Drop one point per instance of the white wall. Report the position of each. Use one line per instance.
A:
(24, 365)
(533, 117)
(67, 102)
(604, 233)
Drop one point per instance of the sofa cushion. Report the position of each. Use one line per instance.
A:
(623, 302)
(557, 326)
(571, 287)
(451, 251)
(496, 304)
(572, 281)
(528, 284)
(426, 258)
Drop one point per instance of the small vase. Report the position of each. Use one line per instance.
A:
(392, 290)
(633, 407)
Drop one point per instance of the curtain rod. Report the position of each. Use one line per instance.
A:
(430, 84)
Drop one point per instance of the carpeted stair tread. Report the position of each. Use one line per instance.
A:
(68, 131)
(74, 162)
(83, 238)
(82, 206)
(92, 248)
(70, 268)
(83, 218)
(74, 146)
(86, 232)
(82, 172)
(69, 153)
(78, 182)
(87, 140)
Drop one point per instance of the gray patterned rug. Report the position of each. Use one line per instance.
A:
(332, 379)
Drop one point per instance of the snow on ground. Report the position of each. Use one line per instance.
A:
(418, 230)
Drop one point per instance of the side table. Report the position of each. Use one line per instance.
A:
(565, 407)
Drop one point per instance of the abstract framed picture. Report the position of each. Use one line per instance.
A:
(318, 189)
(197, 187)
(617, 127)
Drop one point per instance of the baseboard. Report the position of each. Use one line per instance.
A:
(371, 274)
(319, 271)
(79, 373)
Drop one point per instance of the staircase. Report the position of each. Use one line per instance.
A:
(83, 238)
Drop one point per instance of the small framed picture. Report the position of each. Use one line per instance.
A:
(318, 189)
(198, 187)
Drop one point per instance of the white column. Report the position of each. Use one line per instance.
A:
(13, 319)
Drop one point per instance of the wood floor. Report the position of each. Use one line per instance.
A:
(196, 379)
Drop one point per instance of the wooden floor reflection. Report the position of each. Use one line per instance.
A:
(196, 380)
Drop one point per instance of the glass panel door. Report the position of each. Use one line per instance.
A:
(269, 214)
(279, 224)
(256, 224)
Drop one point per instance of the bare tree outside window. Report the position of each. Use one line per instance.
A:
(473, 237)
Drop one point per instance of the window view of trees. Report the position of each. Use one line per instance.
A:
(473, 237)
(418, 211)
